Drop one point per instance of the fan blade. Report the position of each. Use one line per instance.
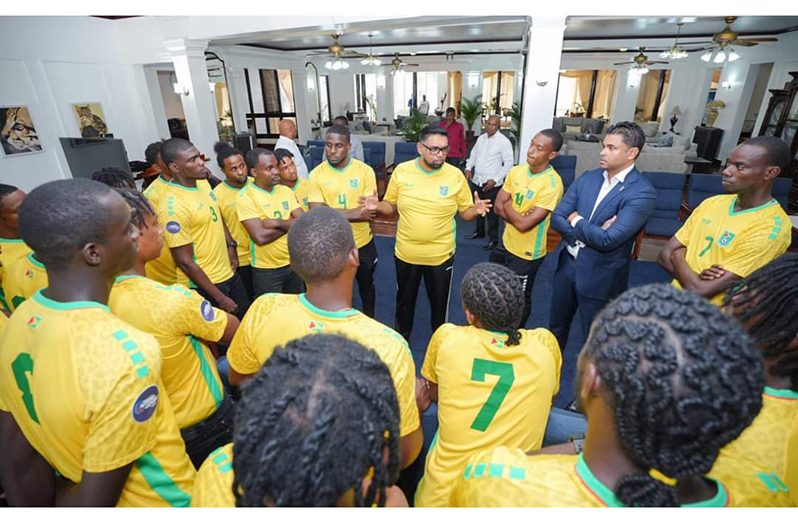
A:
(652, 63)
(744, 43)
(624, 63)
(411, 65)
(755, 40)
(318, 53)
(353, 54)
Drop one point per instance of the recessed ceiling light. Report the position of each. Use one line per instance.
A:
(623, 49)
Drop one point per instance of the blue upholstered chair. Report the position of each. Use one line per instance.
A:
(665, 221)
(565, 166)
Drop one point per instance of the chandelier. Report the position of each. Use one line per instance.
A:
(720, 53)
(337, 64)
(675, 52)
(371, 60)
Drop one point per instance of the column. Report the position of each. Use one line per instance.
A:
(626, 96)
(737, 82)
(384, 96)
(239, 103)
(472, 86)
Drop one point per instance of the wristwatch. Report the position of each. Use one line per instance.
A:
(232, 244)
(578, 441)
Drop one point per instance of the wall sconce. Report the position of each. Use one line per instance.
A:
(311, 83)
(380, 82)
(473, 80)
(542, 83)
(180, 89)
(212, 86)
(726, 85)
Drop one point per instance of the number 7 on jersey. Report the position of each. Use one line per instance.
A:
(506, 376)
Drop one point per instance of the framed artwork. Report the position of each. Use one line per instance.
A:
(18, 134)
(91, 120)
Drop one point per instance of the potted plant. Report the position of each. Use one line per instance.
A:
(412, 125)
(713, 109)
(470, 110)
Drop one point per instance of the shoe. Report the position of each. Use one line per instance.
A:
(474, 236)
(491, 245)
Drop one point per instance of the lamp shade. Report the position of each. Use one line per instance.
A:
(676, 111)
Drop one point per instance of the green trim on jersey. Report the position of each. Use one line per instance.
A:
(124, 277)
(207, 371)
(234, 188)
(719, 500)
(258, 187)
(159, 481)
(36, 263)
(12, 240)
(342, 169)
(732, 212)
(66, 306)
(345, 313)
(544, 171)
(424, 171)
(173, 184)
(788, 394)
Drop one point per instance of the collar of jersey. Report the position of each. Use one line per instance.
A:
(608, 497)
(424, 171)
(261, 189)
(11, 240)
(235, 188)
(346, 313)
(788, 394)
(732, 212)
(342, 169)
(36, 263)
(177, 185)
(544, 171)
(124, 277)
(67, 306)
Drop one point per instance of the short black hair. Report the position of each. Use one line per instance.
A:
(172, 147)
(319, 243)
(631, 134)
(451, 110)
(340, 130)
(341, 117)
(152, 151)
(139, 204)
(429, 130)
(313, 423)
(253, 156)
(58, 218)
(5, 190)
(114, 177)
(223, 151)
(555, 137)
(777, 152)
(494, 294)
(766, 304)
(682, 380)
(281, 153)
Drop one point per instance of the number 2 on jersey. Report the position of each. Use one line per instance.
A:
(506, 376)
(22, 365)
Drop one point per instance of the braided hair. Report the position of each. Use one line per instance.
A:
(114, 177)
(682, 379)
(140, 206)
(494, 294)
(766, 304)
(223, 151)
(313, 423)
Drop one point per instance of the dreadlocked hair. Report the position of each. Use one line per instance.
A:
(114, 177)
(494, 294)
(313, 423)
(682, 379)
(140, 206)
(223, 151)
(766, 304)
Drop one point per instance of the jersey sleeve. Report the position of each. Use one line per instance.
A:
(549, 341)
(685, 231)
(314, 192)
(464, 197)
(370, 182)
(124, 426)
(246, 208)
(392, 192)
(242, 353)
(195, 316)
(550, 196)
(404, 378)
(431, 357)
(177, 230)
(213, 485)
(757, 251)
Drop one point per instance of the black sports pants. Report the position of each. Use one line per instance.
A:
(365, 277)
(437, 281)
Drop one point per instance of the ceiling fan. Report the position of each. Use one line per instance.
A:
(371, 59)
(399, 65)
(641, 62)
(337, 53)
(721, 49)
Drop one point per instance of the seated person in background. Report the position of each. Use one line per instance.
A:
(666, 380)
(493, 383)
(22, 279)
(530, 193)
(357, 145)
(179, 319)
(318, 426)
(113, 177)
(267, 210)
(11, 245)
(766, 305)
(727, 237)
(324, 254)
(289, 177)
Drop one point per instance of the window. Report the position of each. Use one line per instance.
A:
(497, 90)
(324, 90)
(366, 94)
(586, 93)
(652, 95)
(275, 103)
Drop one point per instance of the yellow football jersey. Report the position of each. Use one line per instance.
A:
(191, 215)
(296, 317)
(10, 251)
(161, 269)
(96, 403)
(178, 318)
(527, 191)
(278, 204)
(791, 476)
(22, 278)
(740, 242)
(505, 477)
(302, 191)
(214, 484)
(226, 195)
(427, 204)
(489, 394)
(342, 188)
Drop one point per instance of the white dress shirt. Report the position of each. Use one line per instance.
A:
(287, 143)
(490, 159)
(606, 187)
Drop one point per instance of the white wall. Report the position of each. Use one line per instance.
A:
(173, 107)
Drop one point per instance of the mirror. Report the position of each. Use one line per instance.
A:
(217, 82)
(314, 94)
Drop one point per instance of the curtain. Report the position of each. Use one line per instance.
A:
(605, 90)
(489, 79)
(454, 90)
(647, 96)
(507, 89)
(582, 91)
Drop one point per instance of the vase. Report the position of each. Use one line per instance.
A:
(712, 115)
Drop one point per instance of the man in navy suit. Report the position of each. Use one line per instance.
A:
(599, 217)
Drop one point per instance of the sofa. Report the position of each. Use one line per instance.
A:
(572, 127)
(665, 159)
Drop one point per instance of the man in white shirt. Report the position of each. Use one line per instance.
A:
(287, 130)
(490, 161)
(599, 218)
(357, 146)
(423, 107)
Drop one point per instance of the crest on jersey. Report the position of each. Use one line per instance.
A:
(726, 238)
(28, 273)
(315, 326)
(173, 227)
(285, 205)
(444, 190)
(530, 194)
(33, 321)
(353, 183)
(206, 309)
(145, 404)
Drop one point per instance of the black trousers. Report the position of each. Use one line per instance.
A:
(245, 273)
(209, 434)
(283, 280)
(526, 271)
(365, 277)
(437, 281)
(492, 217)
(233, 289)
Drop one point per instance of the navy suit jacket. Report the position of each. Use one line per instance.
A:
(602, 266)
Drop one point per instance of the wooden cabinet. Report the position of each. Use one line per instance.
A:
(708, 140)
(781, 121)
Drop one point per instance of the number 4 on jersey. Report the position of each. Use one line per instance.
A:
(506, 376)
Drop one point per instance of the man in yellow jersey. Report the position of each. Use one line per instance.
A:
(180, 319)
(200, 242)
(530, 193)
(729, 236)
(22, 279)
(162, 268)
(313, 398)
(493, 382)
(290, 178)
(666, 380)
(156, 169)
(94, 410)
(231, 161)
(267, 210)
(791, 476)
(324, 254)
(11, 245)
(339, 183)
(766, 305)
(428, 193)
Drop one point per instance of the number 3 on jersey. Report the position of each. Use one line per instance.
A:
(506, 376)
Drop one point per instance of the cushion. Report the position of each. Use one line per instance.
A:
(558, 125)
(575, 129)
(650, 128)
(572, 120)
(666, 140)
(596, 127)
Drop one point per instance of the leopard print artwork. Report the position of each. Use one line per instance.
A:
(18, 134)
